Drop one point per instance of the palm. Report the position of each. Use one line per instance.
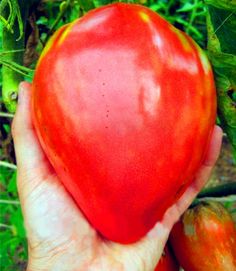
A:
(59, 236)
(56, 227)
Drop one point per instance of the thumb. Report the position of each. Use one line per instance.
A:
(29, 154)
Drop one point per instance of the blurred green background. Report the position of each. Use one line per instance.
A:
(45, 17)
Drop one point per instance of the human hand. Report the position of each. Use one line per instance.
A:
(59, 237)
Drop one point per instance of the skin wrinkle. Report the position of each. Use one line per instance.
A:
(56, 255)
(26, 189)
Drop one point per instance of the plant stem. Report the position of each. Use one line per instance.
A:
(6, 226)
(11, 41)
(222, 190)
(15, 43)
(192, 17)
(9, 165)
(5, 201)
(59, 17)
(6, 115)
(227, 199)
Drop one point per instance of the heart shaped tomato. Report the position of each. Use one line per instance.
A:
(123, 105)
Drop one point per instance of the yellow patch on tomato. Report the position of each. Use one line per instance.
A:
(144, 16)
(204, 60)
(51, 42)
(182, 38)
(46, 49)
(64, 34)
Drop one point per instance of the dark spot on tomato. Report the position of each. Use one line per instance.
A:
(180, 191)
(45, 129)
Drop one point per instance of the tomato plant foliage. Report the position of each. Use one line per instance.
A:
(222, 51)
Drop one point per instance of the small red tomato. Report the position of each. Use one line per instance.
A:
(205, 239)
(124, 105)
(167, 261)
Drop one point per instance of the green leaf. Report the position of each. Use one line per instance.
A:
(7, 128)
(221, 24)
(5, 261)
(99, 3)
(42, 20)
(14, 15)
(186, 7)
(157, 6)
(12, 188)
(86, 5)
(224, 23)
(17, 221)
(222, 4)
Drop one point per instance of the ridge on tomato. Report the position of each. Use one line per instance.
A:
(123, 104)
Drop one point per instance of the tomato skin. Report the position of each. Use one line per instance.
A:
(167, 262)
(205, 239)
(124, 105)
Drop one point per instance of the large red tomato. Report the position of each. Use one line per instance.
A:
(205, 239)
(123, 105)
